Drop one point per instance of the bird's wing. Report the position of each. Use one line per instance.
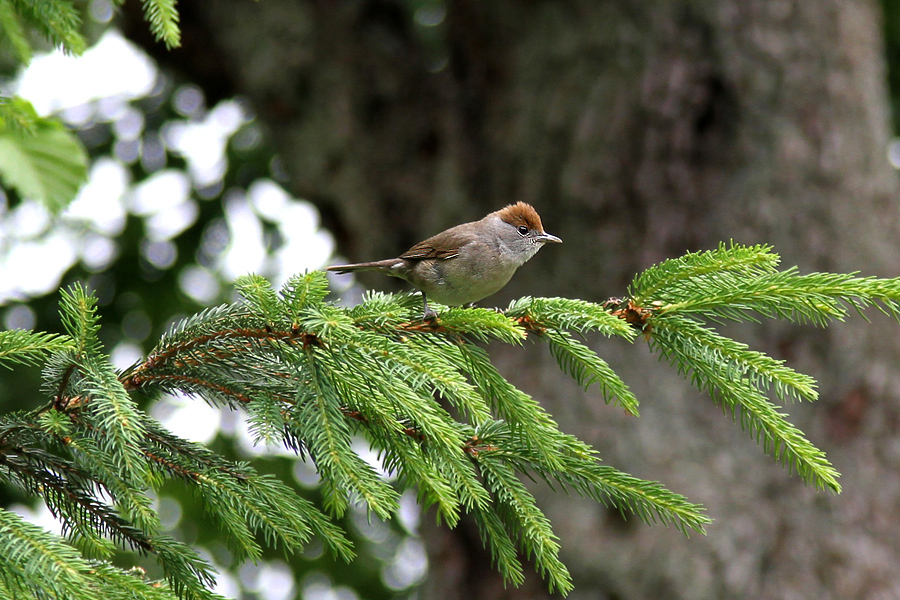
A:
(441, 246)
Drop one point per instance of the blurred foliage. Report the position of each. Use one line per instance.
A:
(42, 160)
(39, 158)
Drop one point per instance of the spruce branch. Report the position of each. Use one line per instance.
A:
(740, 393)
(303, 290)
(328, 441)
(57, 20)
(371, 366)
(735, 281)
(424, 395)
(18, 346)
(60, 22)
(163, 18)
(35, 563)
(670, 277)
(555, 318)
(649, 500)
(566, 314)
(112, 412)
(58, 483)
(243, 495)
(14, 35)
(503, 549)
(734, 359)
(519, 512)
(586, 368)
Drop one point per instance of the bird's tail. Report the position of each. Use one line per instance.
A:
(382, 266)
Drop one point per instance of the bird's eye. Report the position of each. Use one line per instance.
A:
(523, 230)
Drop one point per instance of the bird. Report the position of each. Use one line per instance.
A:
(468, 262)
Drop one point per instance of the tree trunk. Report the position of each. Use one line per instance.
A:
(639, 130)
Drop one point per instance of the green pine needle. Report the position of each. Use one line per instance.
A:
(729, 382)
(587, 368)
(569, 314)
(14, 35)
(659, 281)
(22, 347)
(163, 18)
(57, 20)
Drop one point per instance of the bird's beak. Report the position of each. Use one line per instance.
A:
(546, 237)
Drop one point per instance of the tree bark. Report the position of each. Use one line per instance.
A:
(639, 130)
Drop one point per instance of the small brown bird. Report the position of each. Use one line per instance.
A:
(470, 261)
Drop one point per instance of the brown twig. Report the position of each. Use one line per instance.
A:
(169, 353)
(472, 447)
(137, 380)
(635, 315)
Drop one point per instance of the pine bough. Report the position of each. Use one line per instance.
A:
(314, 376)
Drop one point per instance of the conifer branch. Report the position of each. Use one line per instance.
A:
(163, 18)
(425, 395)
(34, 562)
(519, 512)
(18, 346)
(57, 20)
(14, 33)
(586, 368)
(64, 496)
(673, 277)
(740, 394)
(737, 282)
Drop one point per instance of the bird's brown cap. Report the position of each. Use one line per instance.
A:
(521, 213)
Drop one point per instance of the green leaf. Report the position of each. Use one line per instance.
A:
(17, 114)
(48, 165)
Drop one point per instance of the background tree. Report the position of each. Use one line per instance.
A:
(639, 131)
